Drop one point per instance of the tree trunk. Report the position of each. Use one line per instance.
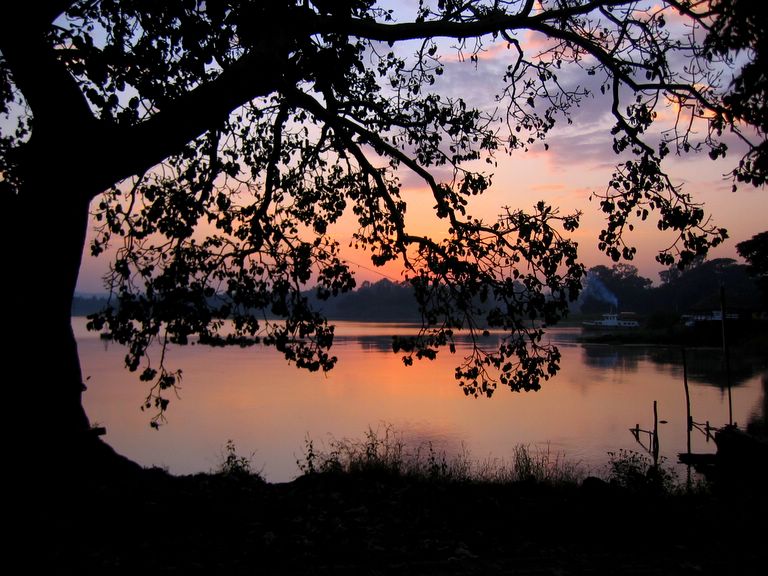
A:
(54, 461)
(46, 249)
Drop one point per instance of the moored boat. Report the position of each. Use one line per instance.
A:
(613, 321)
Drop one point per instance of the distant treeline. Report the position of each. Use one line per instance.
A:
(616, 288)
(382, 301)
(696, 289)
(85, 305)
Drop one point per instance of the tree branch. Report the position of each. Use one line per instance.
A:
(257, 74)
(50, 91)
(480, 26)
(39, 15)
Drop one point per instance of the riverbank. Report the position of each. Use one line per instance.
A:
(377, 525)
(748, 337)
(375, 521)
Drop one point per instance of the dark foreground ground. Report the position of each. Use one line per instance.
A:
(149, 522)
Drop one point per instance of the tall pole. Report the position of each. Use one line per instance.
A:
(655, 441)
(688, 419)
(726, 355)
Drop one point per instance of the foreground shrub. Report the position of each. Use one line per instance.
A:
(636, 472)
(234, 465)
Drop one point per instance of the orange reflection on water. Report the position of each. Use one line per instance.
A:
(268, 408)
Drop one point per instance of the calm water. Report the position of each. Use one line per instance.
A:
(268, 408)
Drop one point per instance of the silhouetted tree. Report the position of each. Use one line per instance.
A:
(755, 252)
(631, 291)
(674, 272)
(740, 26)
(697, 288)
(380, 301)
(217, 141)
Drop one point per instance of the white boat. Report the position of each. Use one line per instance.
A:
(613, 321)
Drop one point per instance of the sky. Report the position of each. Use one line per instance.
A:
(579, 162)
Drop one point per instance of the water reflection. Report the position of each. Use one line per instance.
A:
(383, 342)
(624, 359)
(707, 365)
(267, 407)
(366, 343)
(758, 420)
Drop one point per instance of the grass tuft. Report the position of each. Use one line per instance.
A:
(234, 465)
(385, 452)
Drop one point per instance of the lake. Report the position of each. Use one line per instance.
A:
(269, 408)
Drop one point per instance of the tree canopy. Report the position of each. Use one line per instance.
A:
(618, 288)
(755, 252)
(221, 140)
